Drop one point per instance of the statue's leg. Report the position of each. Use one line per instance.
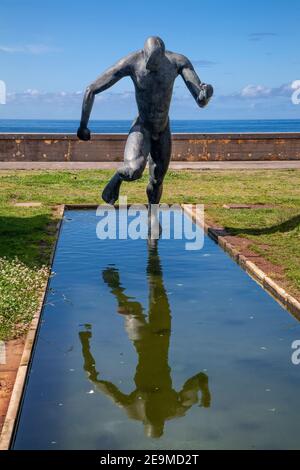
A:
(158, 165)
(135, 158)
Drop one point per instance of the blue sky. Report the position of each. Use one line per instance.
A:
(51, 50)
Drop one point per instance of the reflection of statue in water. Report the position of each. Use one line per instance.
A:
(154, 400)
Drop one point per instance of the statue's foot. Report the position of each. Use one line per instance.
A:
(155, 231)
(154, 227)
(111, 191)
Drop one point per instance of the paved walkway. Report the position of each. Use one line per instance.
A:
(247, 165)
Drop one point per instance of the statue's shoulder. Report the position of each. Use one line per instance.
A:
(179, 60)
(130, 60)
(136, 55)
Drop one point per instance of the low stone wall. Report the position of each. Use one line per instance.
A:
(186, 147)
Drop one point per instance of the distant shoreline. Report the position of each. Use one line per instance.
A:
(69, 126)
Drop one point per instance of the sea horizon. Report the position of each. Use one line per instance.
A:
(122, 126)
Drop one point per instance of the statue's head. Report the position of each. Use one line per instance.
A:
(154, 51)
(155, 431)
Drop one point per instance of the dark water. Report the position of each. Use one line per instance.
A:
(157, 348)
(188, 126)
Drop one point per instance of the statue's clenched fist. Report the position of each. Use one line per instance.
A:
(83, 133)
(205, 95)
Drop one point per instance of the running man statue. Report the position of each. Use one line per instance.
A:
(153, 71)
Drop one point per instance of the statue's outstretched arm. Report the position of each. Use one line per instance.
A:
(121, 69)
(111, 391)
(90, 367)
(201, 92)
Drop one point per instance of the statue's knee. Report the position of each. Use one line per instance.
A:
(136, 173)
(154, 182)
(130, 173)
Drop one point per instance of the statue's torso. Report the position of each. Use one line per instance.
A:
(154, 92)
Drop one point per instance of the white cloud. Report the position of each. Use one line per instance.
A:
(62, 104)
(260, 36)
(295, 85)
(203, 63)
(262, 91)
(2, 92)
(31, 92)
(254, 91)
(252, 100)
(35, 49)
(64, 97)
(250, 93)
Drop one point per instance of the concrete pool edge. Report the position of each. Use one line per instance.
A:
(268, 284)
(289, 302)
(20, 381)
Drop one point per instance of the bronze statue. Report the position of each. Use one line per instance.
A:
(153, 71)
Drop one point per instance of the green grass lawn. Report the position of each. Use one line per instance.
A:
(27, 234)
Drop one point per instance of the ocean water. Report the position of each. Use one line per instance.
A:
(189, 126)
(136, 351)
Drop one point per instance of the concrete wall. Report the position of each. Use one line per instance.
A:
(186, 147)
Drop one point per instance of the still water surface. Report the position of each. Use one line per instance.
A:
(157, 348)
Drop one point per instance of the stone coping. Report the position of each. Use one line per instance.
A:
(176, 136)
(272, 287)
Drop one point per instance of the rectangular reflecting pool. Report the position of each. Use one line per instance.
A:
(156, 347)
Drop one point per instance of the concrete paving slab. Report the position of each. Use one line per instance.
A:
(198, 166)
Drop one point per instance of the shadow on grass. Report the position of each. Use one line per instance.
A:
(29, 238)
(287, 226)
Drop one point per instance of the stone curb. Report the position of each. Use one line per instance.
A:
(274, 289)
